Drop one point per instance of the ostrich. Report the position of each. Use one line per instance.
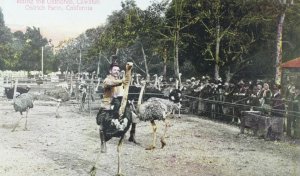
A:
(151, 93)
(175, 96)
(155, 81)
(160, 80)
(118, 121)
(137, 81)
(59, 95)
(151, 110)
(21, 104)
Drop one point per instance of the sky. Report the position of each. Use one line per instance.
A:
(60, 19)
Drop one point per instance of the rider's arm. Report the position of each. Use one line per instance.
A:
(112, 82)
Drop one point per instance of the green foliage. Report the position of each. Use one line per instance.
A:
(183, 31)
(5, 46)
(22, 51)
(291, 31)
(2, 23)
(32, 51)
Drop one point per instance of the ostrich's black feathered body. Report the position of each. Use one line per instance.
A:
(149, 92)
(175, 96)
(110, 119)
(9, 92)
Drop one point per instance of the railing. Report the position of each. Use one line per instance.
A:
(215, 109)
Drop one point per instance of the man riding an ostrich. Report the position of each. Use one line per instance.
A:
(112, 96)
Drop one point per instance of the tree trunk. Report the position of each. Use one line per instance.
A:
(279, 48)
(98, 66)
(165, 57)
(146, 65)
(217, 56)
(176, 55)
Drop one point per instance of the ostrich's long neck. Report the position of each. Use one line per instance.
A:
(141, 96)
(159, 84)
(176, 84)
(126, 88)
(137, 79)
(156, 82)
(179, 79)
(15, 90)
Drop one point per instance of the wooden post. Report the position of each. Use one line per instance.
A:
(126, 88)
(42, 62)
(6, 85)
(71, 84)
(297, 126)
(1, 86)
(290, 118)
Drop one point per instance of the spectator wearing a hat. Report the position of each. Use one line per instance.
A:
(296, 101)
(266, 98)
(278, 105)
(266, 94)
(295, 115)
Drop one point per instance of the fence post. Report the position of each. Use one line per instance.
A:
(1, 86)
(289, 119)
(296, 127)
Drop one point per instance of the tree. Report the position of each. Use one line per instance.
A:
(229, 33)
(291, 33)
(1, 18)
(281, 16)
(227, 42)
(32, 52)
(178, 18)
(131, 34)
(6, 49)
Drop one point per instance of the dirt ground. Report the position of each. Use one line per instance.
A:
(195, 146)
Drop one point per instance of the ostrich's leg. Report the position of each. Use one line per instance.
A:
(102, 139)
(132, 134)
(57, 106)
(179, 115)
(154, 127)
(162, 139)
(17, 123)
(119, 155)
(25, 128)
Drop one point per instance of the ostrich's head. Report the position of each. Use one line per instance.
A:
(143, 82)
(160, 78)
(129, 65)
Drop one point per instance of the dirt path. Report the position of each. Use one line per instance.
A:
(195, 146)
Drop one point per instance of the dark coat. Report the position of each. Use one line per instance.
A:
(278, 106)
